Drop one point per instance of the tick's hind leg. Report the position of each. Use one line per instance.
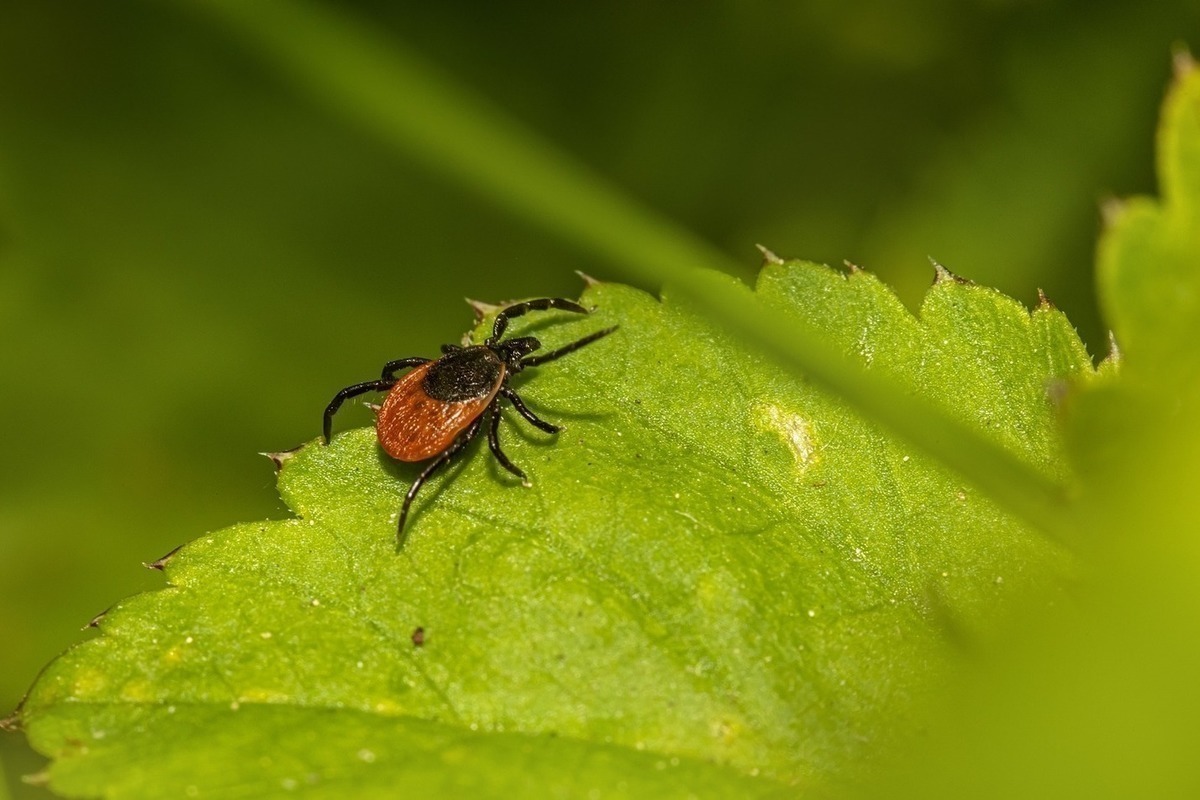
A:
(345, 394)
(494, 443)
(440, 461)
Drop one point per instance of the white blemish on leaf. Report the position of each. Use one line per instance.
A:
(795, 430)
(865, 348)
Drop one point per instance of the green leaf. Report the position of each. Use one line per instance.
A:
(1147, 268)
(722, 583)
(1139, 437)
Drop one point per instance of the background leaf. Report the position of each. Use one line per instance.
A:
(1098, 697)
(720, 572)
(1147, 259)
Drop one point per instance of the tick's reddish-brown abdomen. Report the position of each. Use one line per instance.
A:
(412, 426)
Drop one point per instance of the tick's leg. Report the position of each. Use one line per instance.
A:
(390, 368)
(570, 348)
(526, 413)
(462, 441)
(494, 443)
(520, 309)
(345, 394)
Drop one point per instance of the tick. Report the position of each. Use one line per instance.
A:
(438, 407)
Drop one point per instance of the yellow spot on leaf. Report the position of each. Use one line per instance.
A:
(795, 431)
(89, 683)
(137, 692)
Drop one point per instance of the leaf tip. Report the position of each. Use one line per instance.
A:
(1182, 61)
(851, 267)
(1114, 351)
(282, 457)
(588, 280)
(943, 275)
(39, 779)
(481, 309)
(769, 258)
(1043, 301)
(160, 564)
(1111, 209)
(12, 723)
(94, 622)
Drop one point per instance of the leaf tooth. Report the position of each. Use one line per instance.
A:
(95, 621)
(588, 280)
(481, 308)
(161, 563)
(282, 457)
(1043, 301)
(943, 275)
(1111, 209)
(1114, 351)
(12, 723)
(769, 257)
(36, 779)
(851, 267)
(1182, 61)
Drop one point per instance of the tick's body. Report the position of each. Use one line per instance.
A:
(435, 410)
(429, 407)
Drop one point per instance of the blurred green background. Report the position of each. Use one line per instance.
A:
(194, 256)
